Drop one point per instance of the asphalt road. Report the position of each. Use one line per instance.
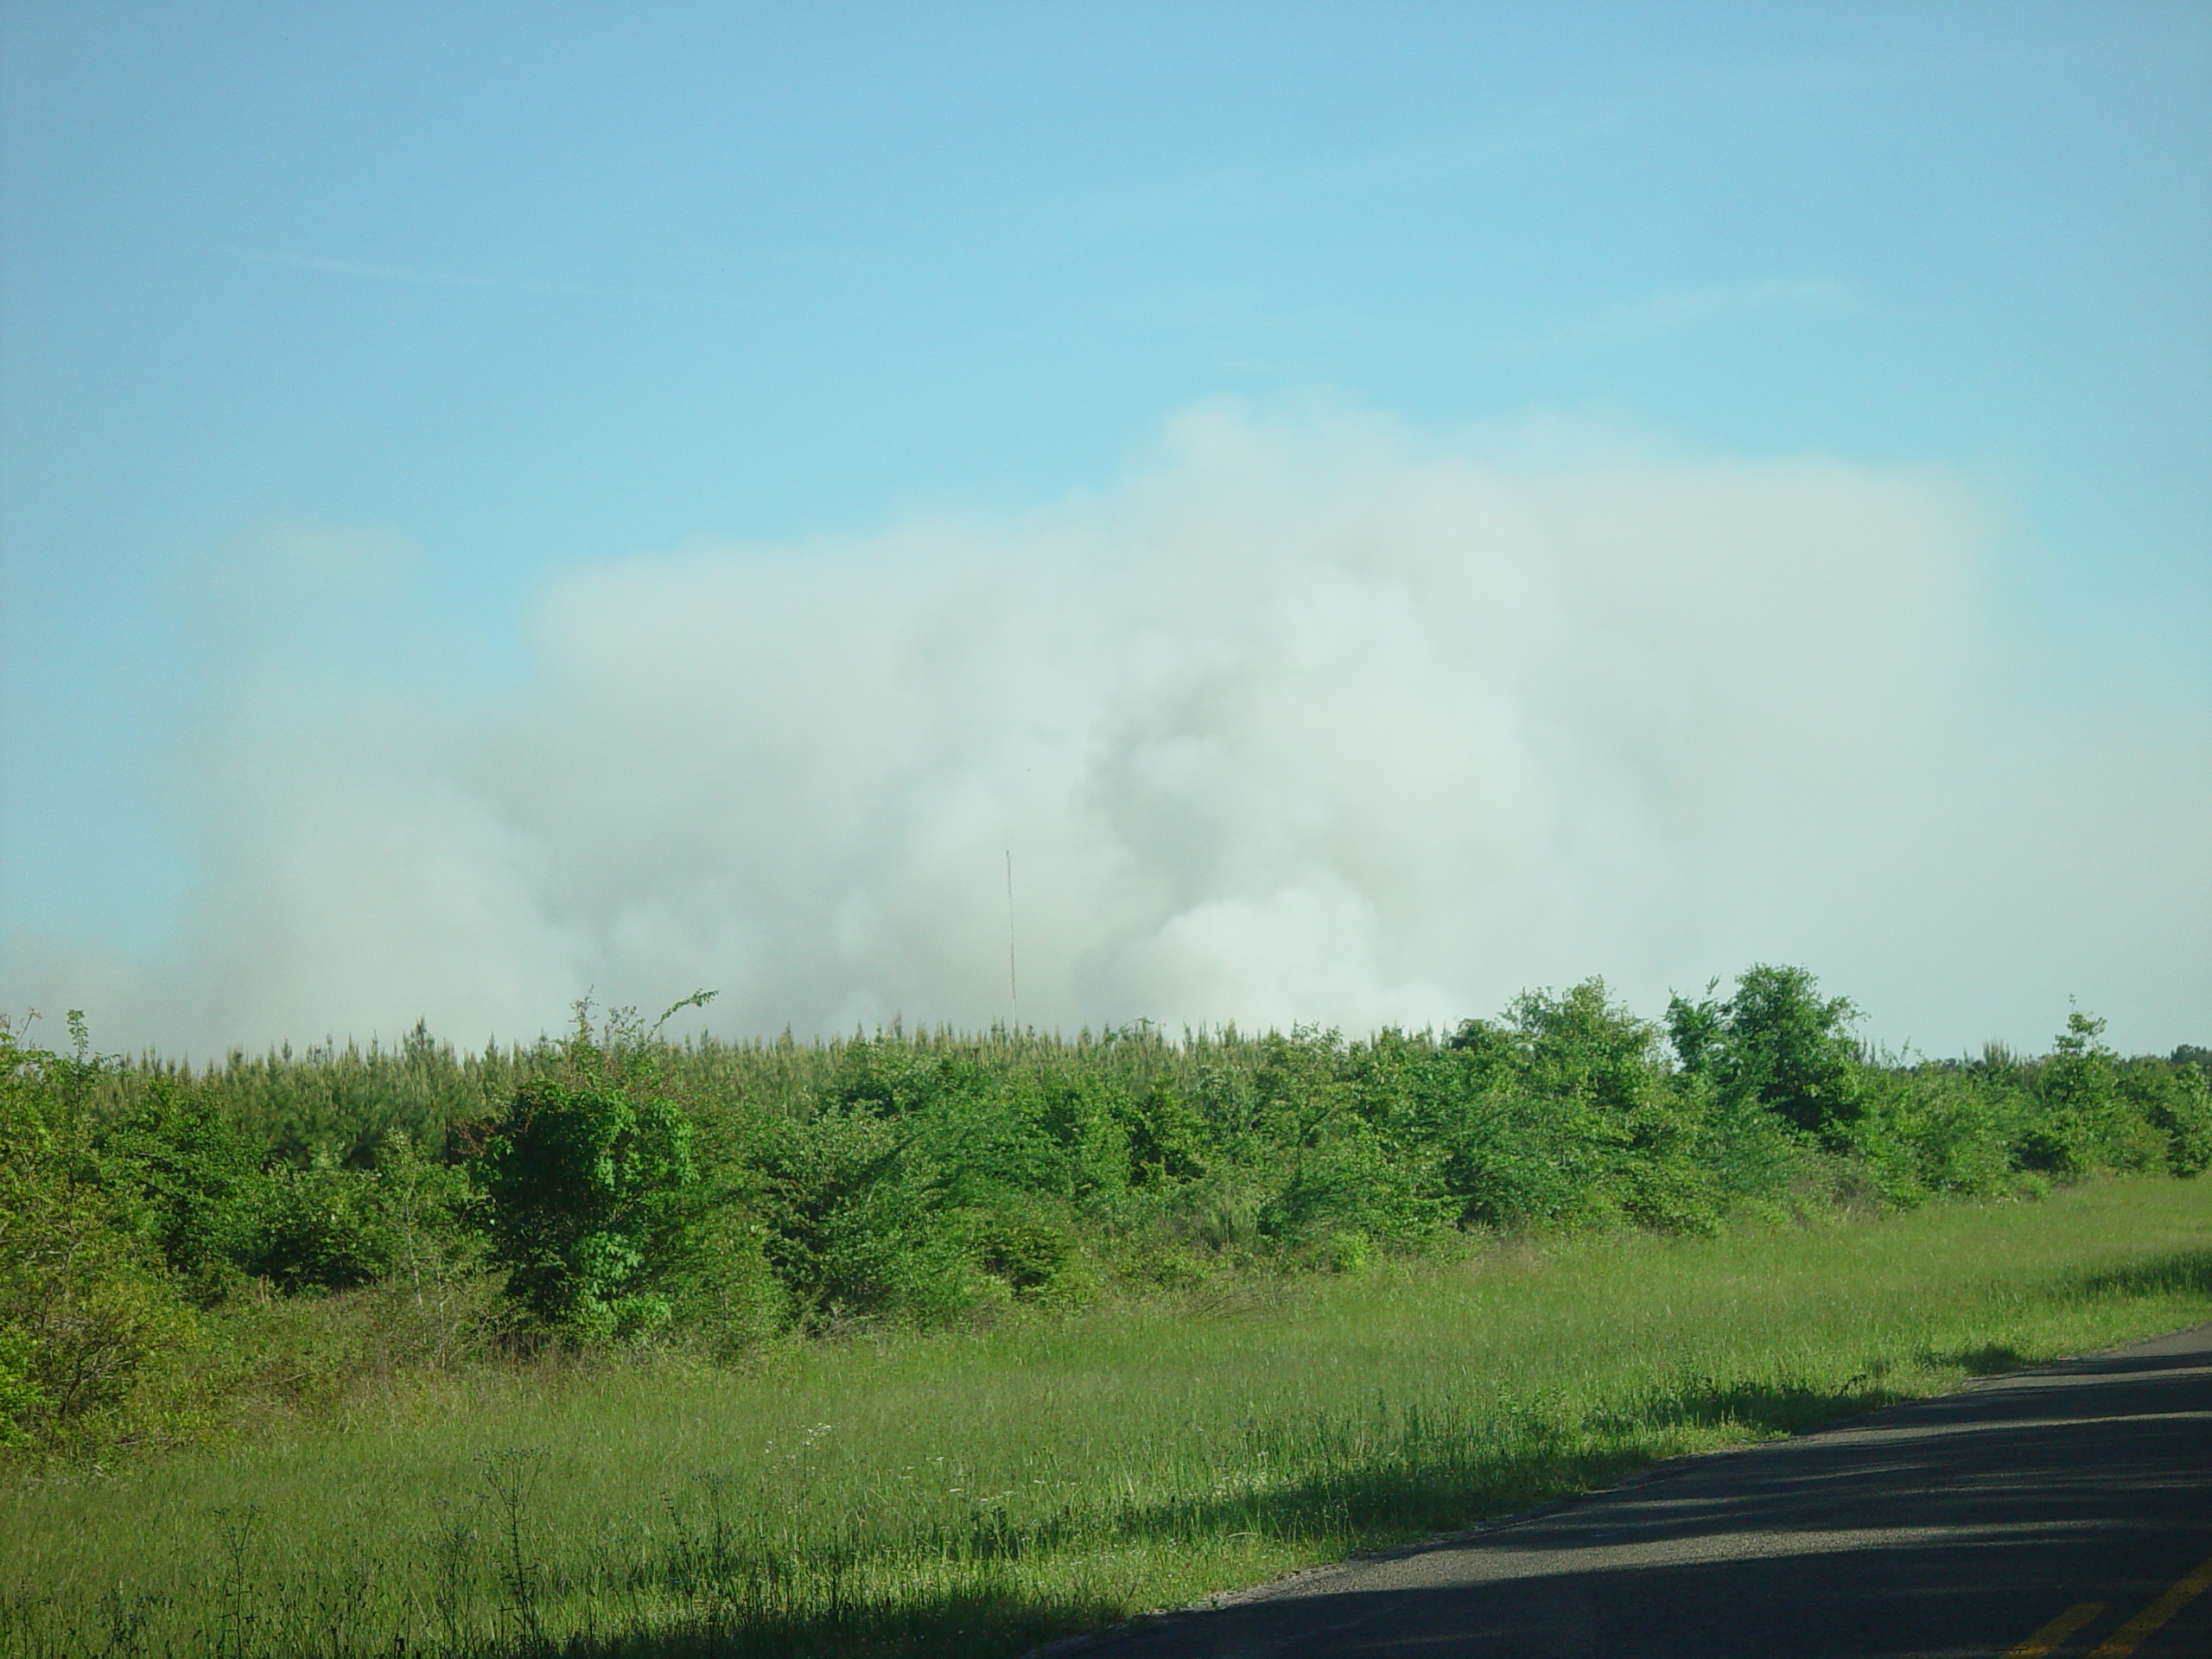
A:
(2065, 1510)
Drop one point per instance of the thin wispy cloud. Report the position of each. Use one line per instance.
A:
(1604, 113)
(1673, 309)
(393, 273)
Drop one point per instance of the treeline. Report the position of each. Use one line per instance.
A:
(174, 1242)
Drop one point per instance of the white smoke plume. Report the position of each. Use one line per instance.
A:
(1308, 721)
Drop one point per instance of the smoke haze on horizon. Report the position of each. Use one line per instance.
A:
(1311, 719)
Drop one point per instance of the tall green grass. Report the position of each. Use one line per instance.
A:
(970, 1493)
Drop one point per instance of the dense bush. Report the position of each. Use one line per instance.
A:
(1776, 1044)
(613, 1187)
(89, 1314)
(587, 1178)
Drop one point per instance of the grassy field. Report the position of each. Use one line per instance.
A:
(972, 1494)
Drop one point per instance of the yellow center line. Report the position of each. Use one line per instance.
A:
(2056, 1632)
(2122, 1642)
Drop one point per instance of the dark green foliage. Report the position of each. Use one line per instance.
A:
(926, 1184)
(1559, 1116)
(1933, 1130)
(587, 1181)
(1777, 1044)
(1354, 1171)
(2174, 1100)
(224, 1210)
(852, 1198)
(2081, 1122)
(319, 1229)
(197, 1182)
(88, 1315)
(616, 1186)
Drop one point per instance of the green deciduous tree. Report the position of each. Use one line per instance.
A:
(1777, 1044)
(589, 1183)
(2082, 1120)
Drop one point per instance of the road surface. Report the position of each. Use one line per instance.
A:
(2062, 1512)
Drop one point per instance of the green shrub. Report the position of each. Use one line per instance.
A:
(2081, 1122)
(1564, 1115)
(1933, 1130)
(1777, 1042)
(716, 1196)
(1349, 1182)
(586, 1181)
(2174, 1100)
(196, 1180)
(89, 1316)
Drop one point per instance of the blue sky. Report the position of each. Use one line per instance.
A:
(533, 291)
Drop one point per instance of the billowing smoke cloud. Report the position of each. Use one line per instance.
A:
(1305, 722)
